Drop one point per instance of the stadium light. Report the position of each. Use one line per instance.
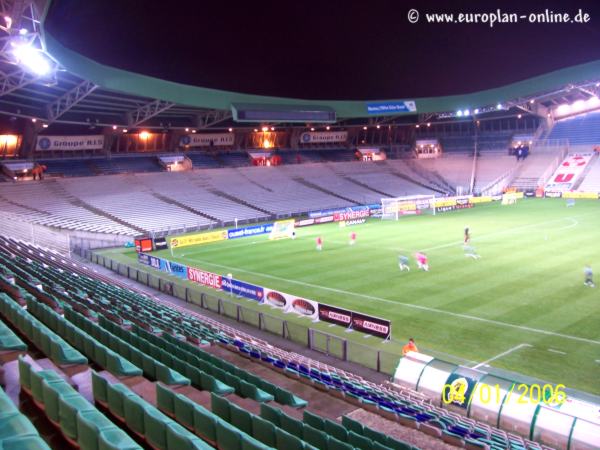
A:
(365, 128)
(459, 113)
(45, 125)
(312, 129)
(230, 130)
(265, 129)
(499, 106)
(23, 31)
(124, 130)
(578, 106)
(466, 112)
(328, 128)
(193, 131)
(378, 127)
(256, 130)
(417, 126)
(532, 101)
(114, 127)
(272, 128)
(31, 58)
(519, 116)
(593, 102)
(428, 124)
(187, 130)
(144, 135)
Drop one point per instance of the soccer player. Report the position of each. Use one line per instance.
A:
(319, 243)
(352, 238)
(403, 263)
(422, 261)
(410, 347)
(589, 276)
(467, 236)
(470, 251)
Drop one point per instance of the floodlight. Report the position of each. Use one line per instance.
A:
(33, 59)
(265, 129)
(578, 106)
(144, 135)
(114, 127)
(593, 102)
(563, 109)
(327, 127)
(23, 31)
(466, 112)
(230, 130)
(499, 106)
(459, 113)
(476, 111)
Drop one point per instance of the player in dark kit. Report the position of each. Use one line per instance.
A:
(467, 236)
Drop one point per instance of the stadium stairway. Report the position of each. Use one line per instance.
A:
(392, 171)
(316, 187)
(166, 199)
(586, 172)
(239, 201)
(432, 176)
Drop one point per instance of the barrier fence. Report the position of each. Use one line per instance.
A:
(311, 338)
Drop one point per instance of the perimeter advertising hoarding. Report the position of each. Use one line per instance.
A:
(391, 107)
(249, 231)
(149, 260)
(198, 238)
(242, 289)
(371, 325)
(332, 314)
(173, 268)
(204, 278)
(291, 303)
(588, 195)
(72, 143)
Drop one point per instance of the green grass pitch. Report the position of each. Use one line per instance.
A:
(522, 307)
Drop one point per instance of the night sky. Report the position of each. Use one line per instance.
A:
(325, 49)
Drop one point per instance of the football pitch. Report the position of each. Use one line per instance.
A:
(521, 307)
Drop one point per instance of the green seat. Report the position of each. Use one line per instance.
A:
(251, 391)
(286, 441)
(358, 441)
(16, 425)
(67, 410)
(100, 354)
(169, 376)
(336, 430)
(314, 420)
(89, 425)
(205, 423)
(264, 431)
(178, 438)
(334, 444)
(24, 443)
(136, 357)
(240, 418)
(397, 444)
(287, 398)
(220, 407)
(116, 439)
(314, 437)
(210, 383)
(228, 437)
(121, 367)
(165, 399)
(52, 392)
(149, 366)
(115, 395)
(155, 424)
(184, 410)
(133, 409)
(271, 414)
(37, 386)
(100, 388)
(374, 435)
(24, 374)
(291, 425)
(350, 425)
(252, 444)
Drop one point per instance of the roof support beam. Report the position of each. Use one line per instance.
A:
(147, 111)
(14, 80)
(212, 117)
(69, 99)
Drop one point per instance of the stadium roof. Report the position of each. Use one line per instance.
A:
(83, 91)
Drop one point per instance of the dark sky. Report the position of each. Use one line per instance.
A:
(326, 49)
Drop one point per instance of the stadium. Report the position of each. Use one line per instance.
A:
(190, 261)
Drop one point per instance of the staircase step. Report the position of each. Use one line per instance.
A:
(312, 185)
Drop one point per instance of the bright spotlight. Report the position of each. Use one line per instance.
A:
(466, 112)
(459, 113)
(23, 31)
(187, 130)
(563, 109)
(578, 106)
(365, 128)
(328, 128)
(593, 102)
(265, 129)
(114, 127)
(499, 106)
(230, 130)
(45, 125)
(144, 135)
(476, 111)
(34, 60)
(124, 130)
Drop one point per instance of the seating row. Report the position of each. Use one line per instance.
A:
(160, 431)
(78, 420)
(94, 350)
(16, 431)
(49, 342)
(152, 368)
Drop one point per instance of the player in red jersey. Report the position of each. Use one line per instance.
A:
(319, 243)
(352, 238)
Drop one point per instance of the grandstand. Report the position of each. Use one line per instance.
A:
(105, 343)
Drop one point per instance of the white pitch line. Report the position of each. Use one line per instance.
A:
(500, 355)
(407, 305)
(556, 351)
